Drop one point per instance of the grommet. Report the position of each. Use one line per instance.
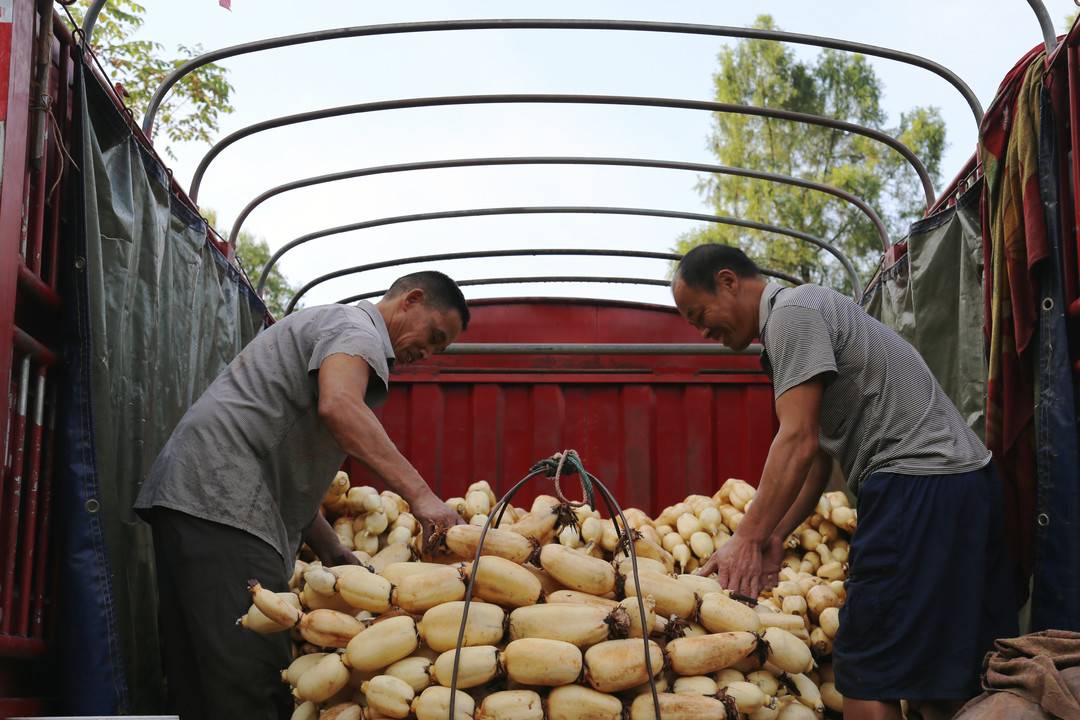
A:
(92, 505)
(1042, 520)
(80, 263)
(1048, 304)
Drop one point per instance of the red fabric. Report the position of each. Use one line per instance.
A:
(1014, 243)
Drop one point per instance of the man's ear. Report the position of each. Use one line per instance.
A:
(414, 298)
(726, 279)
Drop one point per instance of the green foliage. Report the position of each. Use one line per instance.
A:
(252, 253)
(192, 108)
(833, 84)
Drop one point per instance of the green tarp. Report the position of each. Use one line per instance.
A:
(933, 297)
(166, 314)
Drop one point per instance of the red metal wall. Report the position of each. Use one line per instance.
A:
(30, 201)
(653, 428)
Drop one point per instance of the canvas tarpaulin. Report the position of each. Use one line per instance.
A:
(158, 313)
(932, 296)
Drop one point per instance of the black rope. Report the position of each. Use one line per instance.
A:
(552, 467)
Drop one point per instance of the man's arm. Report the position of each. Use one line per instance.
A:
(816, 481)
(343, 381)
(326, 545)
(739, 564)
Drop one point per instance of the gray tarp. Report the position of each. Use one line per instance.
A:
(933, 297)
(166, 314)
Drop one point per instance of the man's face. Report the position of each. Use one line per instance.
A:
(717, 315)
(418, 330)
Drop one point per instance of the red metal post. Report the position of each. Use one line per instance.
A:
(15, 71)
(62, 117)
(13, 492)
(28, 542)
(37, 626)
(36, 288)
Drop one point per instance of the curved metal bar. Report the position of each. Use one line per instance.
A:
(883, 233)
(90, 20)
(531, 279)
(474, 254)
(557, 24)
(564, 209)
(380, 106)
(558, 348)
(1046, 24)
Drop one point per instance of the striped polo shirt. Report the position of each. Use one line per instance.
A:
(882, 409)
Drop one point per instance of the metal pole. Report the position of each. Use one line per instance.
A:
(598, 349)
(359, 108)
(474, 254)
(879, 225)
(42, 63)
(90, 19)
(558, 24)
(569, 210)
(614, 280)
(1045, 24)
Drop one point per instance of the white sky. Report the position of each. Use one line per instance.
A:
(978, 39)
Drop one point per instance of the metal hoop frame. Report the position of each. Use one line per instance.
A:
(533, 252)
(569, 210)
(560, 24)
(518, 98)
(879, 225)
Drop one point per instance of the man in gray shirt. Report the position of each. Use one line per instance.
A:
(238, 485)
(848, 388)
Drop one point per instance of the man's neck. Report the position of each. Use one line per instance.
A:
(754, 287)
(388, 308)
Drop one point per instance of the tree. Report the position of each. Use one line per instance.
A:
(252, 254)
(192, 108)
(833, 84)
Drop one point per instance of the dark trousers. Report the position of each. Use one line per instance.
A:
(216, 669)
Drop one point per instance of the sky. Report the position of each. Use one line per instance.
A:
(978, 39)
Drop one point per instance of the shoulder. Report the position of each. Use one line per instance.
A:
(812, 297)
(323, 319)
(835, 309)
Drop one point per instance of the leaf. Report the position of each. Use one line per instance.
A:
(834, 84)
(192, 108)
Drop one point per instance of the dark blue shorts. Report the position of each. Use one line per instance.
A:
(929, 587)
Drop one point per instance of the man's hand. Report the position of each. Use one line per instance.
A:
(433, 514)
(770, 563)
(324, 542)
(745, 567)
(341, 555)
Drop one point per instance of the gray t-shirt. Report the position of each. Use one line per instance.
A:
(252, 452)
(882, 408)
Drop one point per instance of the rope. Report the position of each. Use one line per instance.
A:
(552, 467)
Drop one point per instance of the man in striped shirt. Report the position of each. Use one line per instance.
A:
(848, 388)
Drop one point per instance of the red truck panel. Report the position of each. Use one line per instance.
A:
(654, 428)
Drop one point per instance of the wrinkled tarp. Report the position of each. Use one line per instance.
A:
(1029, 678)
(160, 313)
(932, 296)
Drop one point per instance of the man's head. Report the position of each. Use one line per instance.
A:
(424, 312)
(717, 289)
